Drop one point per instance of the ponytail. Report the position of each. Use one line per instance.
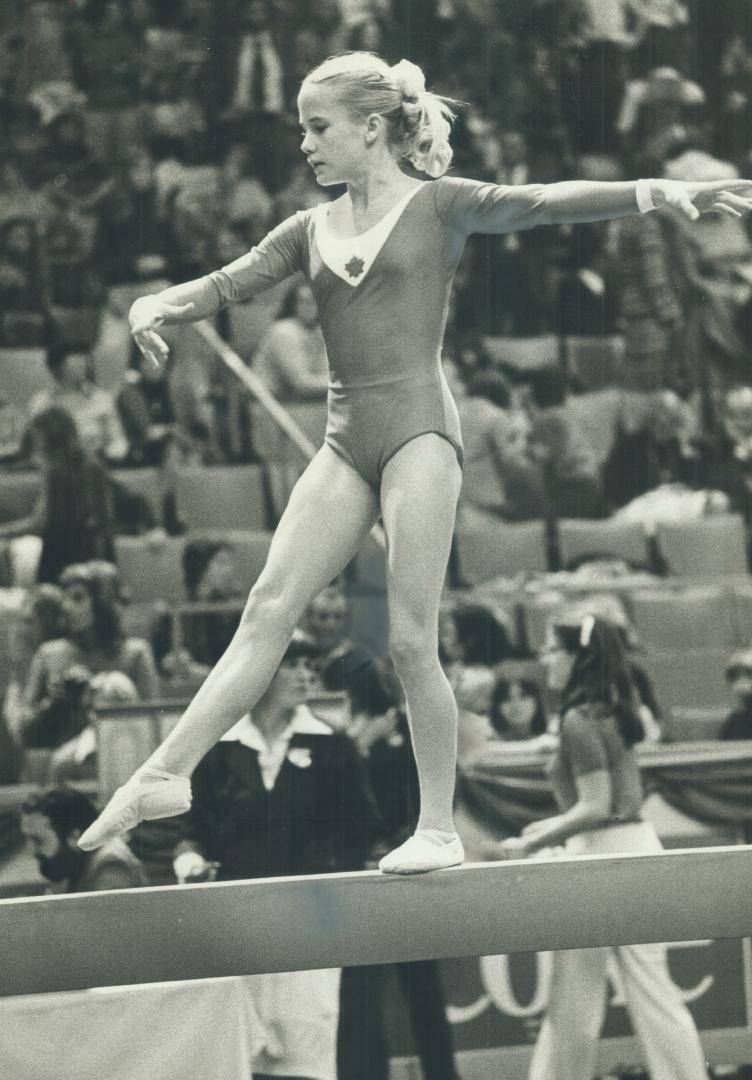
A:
(419, 122)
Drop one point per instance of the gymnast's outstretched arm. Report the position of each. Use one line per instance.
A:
(279, 255)
(470, 206)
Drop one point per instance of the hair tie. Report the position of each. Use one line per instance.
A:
(586, 631)
(409, 79)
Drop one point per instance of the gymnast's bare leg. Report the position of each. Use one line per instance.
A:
(419, 490)
(329, 514)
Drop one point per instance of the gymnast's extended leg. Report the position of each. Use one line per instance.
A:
(419, 490)
(330, 511)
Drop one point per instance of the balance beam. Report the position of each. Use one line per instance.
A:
(337, 920)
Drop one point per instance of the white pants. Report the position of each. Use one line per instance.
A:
(567, 1044)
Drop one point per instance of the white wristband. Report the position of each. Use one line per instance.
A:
(644, 198)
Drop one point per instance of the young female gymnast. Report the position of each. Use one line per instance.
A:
(380, 261)
(596, 779)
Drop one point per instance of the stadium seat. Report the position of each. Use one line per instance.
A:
(251, 547)
(125, 738)
(742, 599)
(579, 538)
(275, 447)
(692, 618)
(501, 549)
(523, 353)
(146, 483)
(594, 362)
(149, 570)
(229, 496)
(685, 678)
(711, 547)
(688, 724)
(24, 374)
(18, 493)
(368, 623)
(596, 415)
(370, 566)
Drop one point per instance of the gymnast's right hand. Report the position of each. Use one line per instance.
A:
(145, 315)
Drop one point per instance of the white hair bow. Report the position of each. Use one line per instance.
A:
(586, 630)
(409, 78)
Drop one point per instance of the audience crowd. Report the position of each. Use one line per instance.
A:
(601, 372)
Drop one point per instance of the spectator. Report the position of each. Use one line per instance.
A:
(738, 723)
(653, 306)
(94, 641)
(210, 574)
(517, 710)
(253, 86)
(23, 285)
(596, 780)
(42, 617)
(566, 459)
(92, 408)
(264, 805)
(144, 406)
(662, 450)
(727, 464)
(472, 640)
(105, 46)
(52, 823)
(131, 240)
(291, 360)
(501, 480)
(74, 514)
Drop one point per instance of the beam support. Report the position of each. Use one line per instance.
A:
(288, 924)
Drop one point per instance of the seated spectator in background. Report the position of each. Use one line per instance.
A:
(517, 711)
(727, 464)
(301, 191)
(105, 45)
(472, 640)
(291, 359)
(92, 408)
(210, 573)
(738, 723)
(664, 449)
(76, 759)
(23, 284)
(43, 617)
(264, 805)
(75, 180)
(247, 202)
(569, 469)
(63, 713)
(74, 514)
(131, 240)
(144, 405)
(718, 265)
(500, 478)
(654, 304)
(52, 823)
(94, 641)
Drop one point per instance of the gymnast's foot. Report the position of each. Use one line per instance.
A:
(426, 849)
(150, 793)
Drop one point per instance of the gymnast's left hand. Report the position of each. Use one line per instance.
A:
(730, 197)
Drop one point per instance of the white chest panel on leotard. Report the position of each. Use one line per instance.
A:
(352, 258)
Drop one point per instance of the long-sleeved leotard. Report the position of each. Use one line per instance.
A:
(384, 330)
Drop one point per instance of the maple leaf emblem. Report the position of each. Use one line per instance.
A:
(355, 266)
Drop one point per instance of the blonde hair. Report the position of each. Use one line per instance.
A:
(419, 122)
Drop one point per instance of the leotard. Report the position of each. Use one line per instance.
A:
(383, 299)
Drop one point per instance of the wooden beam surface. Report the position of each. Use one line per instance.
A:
(287, 924)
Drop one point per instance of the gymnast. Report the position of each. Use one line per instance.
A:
(380, 260)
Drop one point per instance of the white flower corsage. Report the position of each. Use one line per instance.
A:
(300, 756)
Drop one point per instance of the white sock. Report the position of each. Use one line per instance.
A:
(437, 835)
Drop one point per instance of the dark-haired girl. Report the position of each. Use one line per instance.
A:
(94, 639)
(596, 781)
